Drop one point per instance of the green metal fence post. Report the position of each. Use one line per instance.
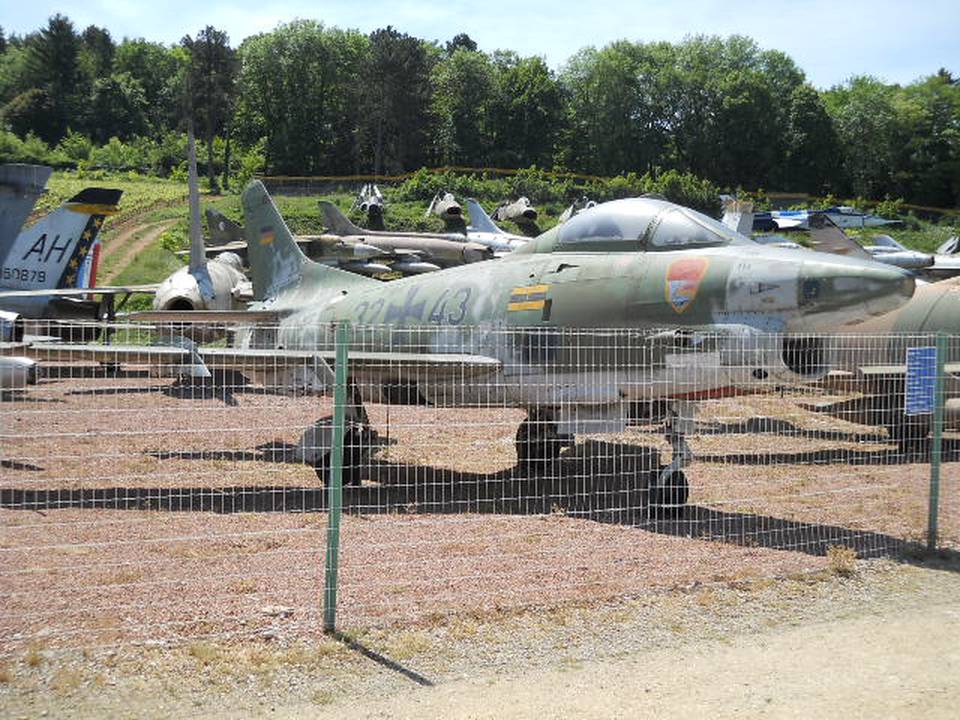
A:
(936, 447)
(335, 481)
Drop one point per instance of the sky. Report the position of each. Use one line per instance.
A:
(831, 40)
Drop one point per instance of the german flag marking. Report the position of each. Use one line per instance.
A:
(528, 297)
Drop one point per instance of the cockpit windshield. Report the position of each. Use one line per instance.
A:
(643, 224)
(680, 227)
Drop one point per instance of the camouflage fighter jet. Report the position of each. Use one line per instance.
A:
(346, 253)
(877, 369)
(444, 249)
(533, 329)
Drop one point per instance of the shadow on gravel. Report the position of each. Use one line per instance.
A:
(827, 456)
(598, 481)
(381, 660)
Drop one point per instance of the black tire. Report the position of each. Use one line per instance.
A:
(674, 492)
(911, 435)
(538, 445)
(353, 453)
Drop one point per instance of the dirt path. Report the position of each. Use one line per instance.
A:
(899, 665)
(125, 246)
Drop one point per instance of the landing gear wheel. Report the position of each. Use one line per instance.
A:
(912, 436)
(354, 449)
(673, 491)
(538, 445)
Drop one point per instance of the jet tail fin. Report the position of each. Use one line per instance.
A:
(222, 229)
(49, 253)
(825, 236)
(277, 263)
(738, 216)
(20, 186)
(479, 220)
(950, 247)
(337, 223)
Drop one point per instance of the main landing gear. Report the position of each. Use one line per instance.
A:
(671, 488)
(359, 438)
(539, 445)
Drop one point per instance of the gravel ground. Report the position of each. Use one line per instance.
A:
(380, 672)
(136, 511)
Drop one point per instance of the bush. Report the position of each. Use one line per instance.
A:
(29, 150)
(75, 147)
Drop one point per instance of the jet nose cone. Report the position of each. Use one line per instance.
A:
(838, 292)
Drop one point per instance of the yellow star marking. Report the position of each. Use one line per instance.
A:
(74, 263)
(86, 234)
(98, 221)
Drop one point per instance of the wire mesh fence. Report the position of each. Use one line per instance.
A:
(162, 483)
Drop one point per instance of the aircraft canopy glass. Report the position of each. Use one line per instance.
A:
(644, 223)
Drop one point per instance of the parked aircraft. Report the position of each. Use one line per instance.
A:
(519, 211)
(445, 206)
(827, 237)
(498, 333)
(343, 252)
(370, 202)
(42, 265)
(445, 249)
(203, 285)
(842, 216)
(42, 272)
(484, 230)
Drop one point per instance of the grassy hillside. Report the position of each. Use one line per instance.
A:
(148, 200)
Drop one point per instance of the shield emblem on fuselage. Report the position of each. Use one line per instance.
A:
(683, 281)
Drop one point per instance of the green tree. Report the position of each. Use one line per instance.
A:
(156, 68)
(866, 122)
(526, 112)
(460, 41)
(118, 108)
(53, 66)
(210, 86)
(619, 116)
(32, 111)
(928, 141)
(297, 90)
(394, 101)
(463, 90)
(96, 51)
(813, 151)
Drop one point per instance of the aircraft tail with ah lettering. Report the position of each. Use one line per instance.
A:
(51, 252)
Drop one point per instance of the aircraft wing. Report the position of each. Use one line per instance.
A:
(186, 317)
(81, 292)
(826, 237)
(393, 366)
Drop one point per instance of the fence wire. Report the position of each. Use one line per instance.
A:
(486, 470)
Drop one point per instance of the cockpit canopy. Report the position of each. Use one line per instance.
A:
(643, 224)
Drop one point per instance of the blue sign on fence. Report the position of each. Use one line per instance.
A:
(921, 380)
